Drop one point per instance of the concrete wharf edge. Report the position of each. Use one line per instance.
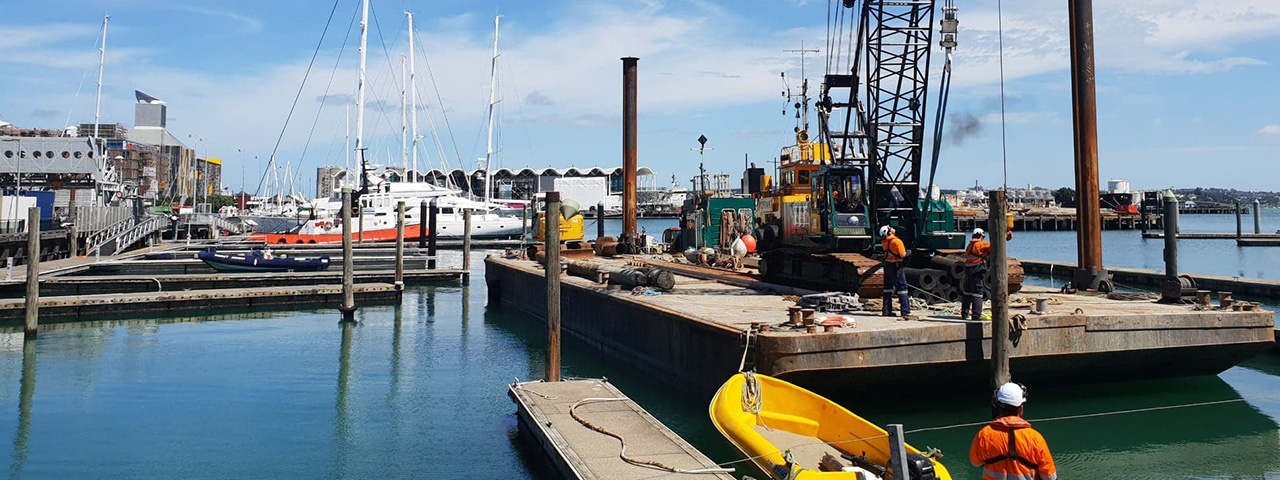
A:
(88, 307)
(693, 338)
(1140, 277)
(581, 453)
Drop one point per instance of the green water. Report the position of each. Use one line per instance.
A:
(418, 390)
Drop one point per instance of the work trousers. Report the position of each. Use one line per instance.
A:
(895, 282)
(971, 293)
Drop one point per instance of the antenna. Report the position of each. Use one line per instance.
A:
(802, 107)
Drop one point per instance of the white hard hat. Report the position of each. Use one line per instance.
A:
(1011, 394)
(977, 232)
(884, 231)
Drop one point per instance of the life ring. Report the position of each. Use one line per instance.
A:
(325, 225)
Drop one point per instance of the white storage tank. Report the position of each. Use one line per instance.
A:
(1118, 186)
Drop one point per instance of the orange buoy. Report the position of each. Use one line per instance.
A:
(750, 241)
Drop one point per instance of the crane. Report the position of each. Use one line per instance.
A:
(864, 169)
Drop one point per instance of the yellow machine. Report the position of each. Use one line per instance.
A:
(571, 228)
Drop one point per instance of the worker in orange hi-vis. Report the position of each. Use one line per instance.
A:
(1008, 448)
(975, 269)
(895, 275)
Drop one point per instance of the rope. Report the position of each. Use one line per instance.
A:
(1099, 414)
(747, 348)
(752, 401)
(623, 452)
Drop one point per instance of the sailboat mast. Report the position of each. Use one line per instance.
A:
(493, 92)
(364, 42)
(404, 121)
(413, 96)
(102, 62)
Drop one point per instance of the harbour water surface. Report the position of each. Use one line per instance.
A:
(418, 390)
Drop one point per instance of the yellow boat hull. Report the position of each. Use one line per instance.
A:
(795, 420)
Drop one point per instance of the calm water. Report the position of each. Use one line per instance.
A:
(419, 390)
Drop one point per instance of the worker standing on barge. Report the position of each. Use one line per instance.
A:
(895, 275)
(975, 269)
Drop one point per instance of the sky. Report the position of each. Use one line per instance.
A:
(1184, 87)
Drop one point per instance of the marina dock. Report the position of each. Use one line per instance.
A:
(696, 335)
(168, 279)
(547, 409)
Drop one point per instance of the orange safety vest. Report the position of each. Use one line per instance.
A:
(894, 250)
(1009, 449)
(976, 252)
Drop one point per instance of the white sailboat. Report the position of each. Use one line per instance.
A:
(380, 194)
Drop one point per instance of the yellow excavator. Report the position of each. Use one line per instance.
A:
(571, 224)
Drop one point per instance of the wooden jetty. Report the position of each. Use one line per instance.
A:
(695, 336)
(1242, 240)
(86, 288)
(72, 308)
(546, 411)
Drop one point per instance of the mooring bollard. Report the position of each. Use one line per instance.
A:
(33, 273)
(348, 307)
(552, 271)
(466, 246)
(400, 245)
(431, 240)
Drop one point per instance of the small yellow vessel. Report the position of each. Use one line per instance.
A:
(792, 433)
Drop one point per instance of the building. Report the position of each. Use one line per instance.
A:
(175, 166)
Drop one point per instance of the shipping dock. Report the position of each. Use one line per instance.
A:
(696, 335)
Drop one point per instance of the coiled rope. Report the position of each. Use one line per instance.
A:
(623, 452)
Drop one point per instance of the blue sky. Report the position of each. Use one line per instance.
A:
(1186, 88)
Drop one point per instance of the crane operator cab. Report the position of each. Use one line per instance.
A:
(840, 207)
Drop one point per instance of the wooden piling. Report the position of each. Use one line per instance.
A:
(422, 218)
(998, 259)
(400, 245)
(552, 238)
(33, 272)
(432, 212)
(524, 227)
(599, 220)
(1239, 227)
(348, 307)
(466, 246)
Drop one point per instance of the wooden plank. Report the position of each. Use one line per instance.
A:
(582, 453)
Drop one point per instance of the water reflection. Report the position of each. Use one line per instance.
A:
(27, 392)
(341, 421)
(1217, 432)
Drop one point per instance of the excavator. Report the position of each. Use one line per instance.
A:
(817, 226)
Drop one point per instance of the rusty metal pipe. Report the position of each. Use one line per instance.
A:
(628, 148)
(1085, 114)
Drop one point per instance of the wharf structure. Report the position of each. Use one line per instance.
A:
(697, 334)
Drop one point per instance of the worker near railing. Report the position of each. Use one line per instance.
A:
(1008, 448)
(975, 268)
(895, 276)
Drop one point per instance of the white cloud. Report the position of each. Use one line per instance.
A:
(247, 24)
(1146, 36)
(1270, 130)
